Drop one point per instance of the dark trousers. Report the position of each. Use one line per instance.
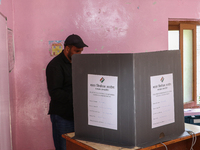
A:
(60, 126)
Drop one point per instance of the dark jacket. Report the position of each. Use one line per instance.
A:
(59, 84)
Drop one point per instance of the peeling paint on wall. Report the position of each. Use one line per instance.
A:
(11, 50)
(104, 21)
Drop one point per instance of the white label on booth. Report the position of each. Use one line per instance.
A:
(162, 100)
(102, 101)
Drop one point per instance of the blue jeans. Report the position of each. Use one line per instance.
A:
(60, 126)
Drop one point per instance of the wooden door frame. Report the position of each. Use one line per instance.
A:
(180, 25)
(193, 28)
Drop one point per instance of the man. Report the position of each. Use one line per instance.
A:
(59, 84)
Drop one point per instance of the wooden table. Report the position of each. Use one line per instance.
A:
(182, 143)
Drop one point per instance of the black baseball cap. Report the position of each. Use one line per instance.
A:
(74, 40)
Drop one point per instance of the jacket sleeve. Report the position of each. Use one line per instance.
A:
(59, 84)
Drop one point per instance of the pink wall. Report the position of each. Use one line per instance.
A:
(7, 9)
(113, 26)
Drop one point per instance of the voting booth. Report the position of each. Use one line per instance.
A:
(128, 99)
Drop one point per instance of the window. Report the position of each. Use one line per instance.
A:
(182, 35)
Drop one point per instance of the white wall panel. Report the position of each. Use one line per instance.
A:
(5, 130)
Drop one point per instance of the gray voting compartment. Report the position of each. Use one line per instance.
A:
(128, 100)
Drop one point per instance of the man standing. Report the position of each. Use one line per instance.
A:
(59, 84)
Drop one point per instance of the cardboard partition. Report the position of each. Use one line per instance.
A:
(128, 99)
